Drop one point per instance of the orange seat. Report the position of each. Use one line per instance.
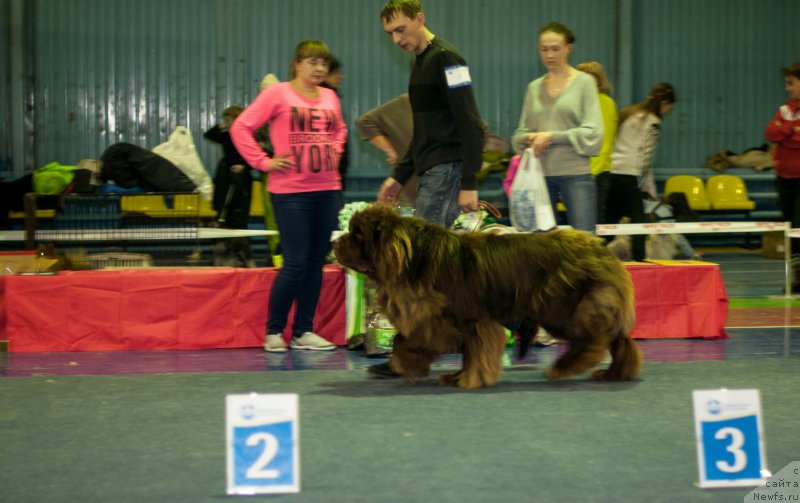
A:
(728, 192)
(694, 189)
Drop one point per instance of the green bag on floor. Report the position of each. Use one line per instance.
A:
(356, 311)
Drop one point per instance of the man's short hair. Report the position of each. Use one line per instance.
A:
(408, 7)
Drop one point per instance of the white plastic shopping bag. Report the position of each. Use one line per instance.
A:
(529, 202)
(179, 149)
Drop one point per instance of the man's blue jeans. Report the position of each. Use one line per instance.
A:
(437, 195)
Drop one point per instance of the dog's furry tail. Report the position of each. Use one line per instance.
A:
(626, 361)
(526, 332)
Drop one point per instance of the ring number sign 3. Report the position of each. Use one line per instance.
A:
(730, 447)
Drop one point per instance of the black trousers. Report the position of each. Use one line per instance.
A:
(232, 194)
(789, 199)
(625, 200)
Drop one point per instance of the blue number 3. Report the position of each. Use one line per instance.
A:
(732, 449)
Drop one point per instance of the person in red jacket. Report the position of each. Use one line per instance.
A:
(784, 131)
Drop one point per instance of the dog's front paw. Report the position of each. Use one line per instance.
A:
(463, 380)
(554, 373)
(609, 375)
(448, 380)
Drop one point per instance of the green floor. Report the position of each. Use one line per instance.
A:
(154, 438)
(763, 302)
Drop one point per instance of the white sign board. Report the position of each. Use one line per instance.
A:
(730, 445)
(262, 447)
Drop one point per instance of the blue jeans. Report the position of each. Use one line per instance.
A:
(579, 194)
(305, 223)
(437, 195)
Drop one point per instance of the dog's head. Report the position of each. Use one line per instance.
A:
(379, 243)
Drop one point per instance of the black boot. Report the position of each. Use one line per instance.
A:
(382, 371)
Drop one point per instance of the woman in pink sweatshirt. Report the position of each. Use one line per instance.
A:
(308, 135)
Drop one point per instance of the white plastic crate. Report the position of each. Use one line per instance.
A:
(117, 260)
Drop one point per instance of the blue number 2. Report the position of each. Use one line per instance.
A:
(264, 455)
(258, 469)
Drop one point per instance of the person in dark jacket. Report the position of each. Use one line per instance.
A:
(333, 81)
(232, 182)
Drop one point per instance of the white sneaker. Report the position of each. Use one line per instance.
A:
(311, 341)
(273, 343)
(543, 338)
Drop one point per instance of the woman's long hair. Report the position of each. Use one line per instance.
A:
(596, 70)
(663, 92)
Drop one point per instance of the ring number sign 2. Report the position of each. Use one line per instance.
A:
(262, 444)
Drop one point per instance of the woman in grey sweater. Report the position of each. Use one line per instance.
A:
(562, 121)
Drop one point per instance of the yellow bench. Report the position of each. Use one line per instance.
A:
(694, 189)
(728, 192)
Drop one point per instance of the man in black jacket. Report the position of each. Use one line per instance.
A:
(447, 147)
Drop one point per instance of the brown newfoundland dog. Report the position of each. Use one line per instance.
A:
(447, 292)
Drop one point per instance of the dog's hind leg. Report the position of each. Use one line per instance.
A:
(483, 350)
(626, 361)
(583, 354)
(603, 315)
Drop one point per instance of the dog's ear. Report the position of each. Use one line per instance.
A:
(392, 234)
(397, 253)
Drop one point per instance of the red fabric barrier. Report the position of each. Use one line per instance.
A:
(227, 308)
(154, 309)
(677, 299)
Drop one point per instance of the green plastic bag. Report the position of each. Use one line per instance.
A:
(52, 179)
